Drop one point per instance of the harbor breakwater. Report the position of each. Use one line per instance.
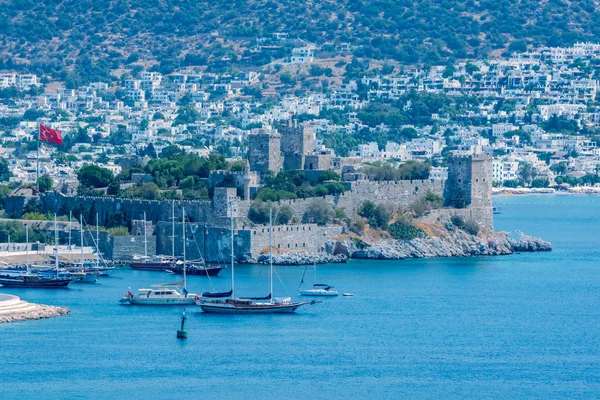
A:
(13, 309)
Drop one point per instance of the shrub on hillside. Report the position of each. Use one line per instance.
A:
(259, 212)
(319, 212)
(378, 216)
(118, 231)
(469, 226)
(402, 230)
(419, 207)
(358, 225)
(285, 214)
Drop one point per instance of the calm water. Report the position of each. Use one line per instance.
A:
(518, 326)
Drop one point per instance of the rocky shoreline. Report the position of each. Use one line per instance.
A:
(303, 259)
(455, 243)
(40, 311)
(445, 243)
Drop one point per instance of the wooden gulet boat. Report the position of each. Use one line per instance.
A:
(251, 305)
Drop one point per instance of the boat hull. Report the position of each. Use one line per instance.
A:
(151, 266)
(320, 293)
(208, 271)
(89, 278)
(224, 308)
(140, 301)
(35, 283)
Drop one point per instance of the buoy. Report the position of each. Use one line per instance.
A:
(182, 333)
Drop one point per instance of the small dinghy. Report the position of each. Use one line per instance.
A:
(348, 294)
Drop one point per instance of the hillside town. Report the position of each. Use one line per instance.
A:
(536, 113)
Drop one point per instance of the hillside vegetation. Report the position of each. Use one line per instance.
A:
(85, 40)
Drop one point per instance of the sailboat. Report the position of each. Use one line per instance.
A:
(170, 294)
(157, 262)
(318, 289)
(251, 305)
(87, 271)
(41, 279)
(197, 267)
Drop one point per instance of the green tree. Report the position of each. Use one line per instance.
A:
(378, 216)
(527, 172)
(329, 176)
(560, 168)
(259, 212)
(93, 176)
(45, 183)
(4, 171)
(285, 214)
(319, 212)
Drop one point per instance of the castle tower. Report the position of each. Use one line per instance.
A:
(247, 180)
(469, 185)
(296, 142)
(264, 151)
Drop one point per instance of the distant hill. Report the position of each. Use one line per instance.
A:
(84, 40)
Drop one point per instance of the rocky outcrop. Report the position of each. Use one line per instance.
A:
(443, 241)
(303, 258)
(454, 243)
(39, 311)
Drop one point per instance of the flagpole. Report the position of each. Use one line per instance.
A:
(37, 161)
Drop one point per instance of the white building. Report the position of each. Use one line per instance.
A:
(498, 130)
(303, 55)
(504, 170)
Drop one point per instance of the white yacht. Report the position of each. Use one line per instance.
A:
(169, 294)
(166, 294)
(318, 289)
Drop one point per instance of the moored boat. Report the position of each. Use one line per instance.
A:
(17, 277)
(197, 269)
(318, 289)
(248, 305)
(155, 263)
(170, 294)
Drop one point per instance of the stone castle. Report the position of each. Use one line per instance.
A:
(467, 192)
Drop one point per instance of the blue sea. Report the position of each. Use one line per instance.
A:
(519, 326)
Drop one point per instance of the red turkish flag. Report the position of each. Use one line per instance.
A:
(50, 135)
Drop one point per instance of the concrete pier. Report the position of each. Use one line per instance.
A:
(13, 309)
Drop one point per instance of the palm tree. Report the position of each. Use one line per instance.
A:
(527, 172)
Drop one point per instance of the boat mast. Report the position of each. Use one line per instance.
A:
(81, 238)
(271, 253)
(70, 218)
(27, 248)
(145, 239)
(183, 230)
(97, 244)
(173, 229)
(232, 263)
(56, 245)
(204, 256)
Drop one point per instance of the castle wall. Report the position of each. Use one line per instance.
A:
(444, 215)
(290, 238)
(470, 176)
(125, 247)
